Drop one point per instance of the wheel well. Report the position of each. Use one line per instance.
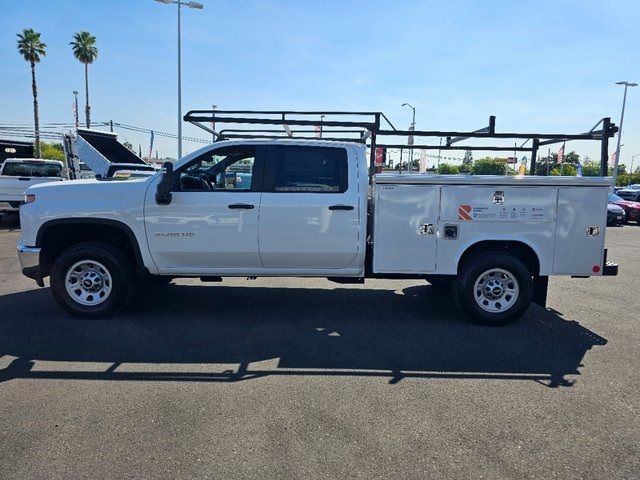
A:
(53, 239)
(518, 249)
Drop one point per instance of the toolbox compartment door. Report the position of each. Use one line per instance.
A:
(577, 249)
(405, 228)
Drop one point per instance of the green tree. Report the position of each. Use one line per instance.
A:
(53, 151)
(33, 49)
(447, 169)
(85, 50)
(489, 166)
(566, 170)
(465, 168)
(571, 158)
(590, 169)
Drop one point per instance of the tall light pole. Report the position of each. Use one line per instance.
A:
(624, 101)
(75, 108)
(199, 6)
(410, 142)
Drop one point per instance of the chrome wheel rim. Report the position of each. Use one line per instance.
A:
(496, 290)
(88, 282)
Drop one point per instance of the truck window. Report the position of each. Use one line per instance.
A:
(31, 169)
(307, 169)
(226, 169)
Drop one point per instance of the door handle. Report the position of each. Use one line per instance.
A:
(246, 206)
(341, 207)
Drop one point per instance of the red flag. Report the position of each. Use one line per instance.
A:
(561, 155)
(614, 157)
(379, 156)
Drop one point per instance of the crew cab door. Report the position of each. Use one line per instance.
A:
(309, 213)
(211, 224)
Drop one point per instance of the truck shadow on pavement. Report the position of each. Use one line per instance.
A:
(229, 333)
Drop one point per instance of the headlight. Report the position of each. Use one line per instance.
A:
(30, 198)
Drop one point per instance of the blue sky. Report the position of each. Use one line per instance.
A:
(538, 66)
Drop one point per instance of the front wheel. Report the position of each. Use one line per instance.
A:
(495, 288)
(92, 280)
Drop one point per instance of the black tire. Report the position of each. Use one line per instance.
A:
(466, 293)
(118, 266)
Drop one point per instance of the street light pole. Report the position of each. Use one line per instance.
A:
(413, 127)
(624, 101)
(199, 6)
(75, 108)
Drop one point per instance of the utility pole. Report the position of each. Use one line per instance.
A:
(624, 101)
(75, 108)
(410, 142)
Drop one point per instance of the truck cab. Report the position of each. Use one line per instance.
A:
(276, 208)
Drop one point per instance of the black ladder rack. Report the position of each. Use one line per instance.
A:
(366, 128)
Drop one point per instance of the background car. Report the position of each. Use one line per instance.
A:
(615, 214)
(631, 209)
(632, 192)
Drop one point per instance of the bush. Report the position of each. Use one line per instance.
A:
(566, 170)
(488, 166)
(591, 169)
(52, 151)
(447, 169)
(628, 179)
(465, 168)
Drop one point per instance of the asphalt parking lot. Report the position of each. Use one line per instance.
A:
(291, 378)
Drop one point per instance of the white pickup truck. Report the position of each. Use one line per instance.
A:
(306, 208)
(18, 174)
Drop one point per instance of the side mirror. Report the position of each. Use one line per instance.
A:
(163, 193)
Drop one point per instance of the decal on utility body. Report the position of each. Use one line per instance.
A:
(499, 213)
(464, 212)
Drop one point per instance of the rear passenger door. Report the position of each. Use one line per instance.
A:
(309, 212)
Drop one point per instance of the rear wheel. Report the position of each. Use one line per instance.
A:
(495, 288)
(92, 280)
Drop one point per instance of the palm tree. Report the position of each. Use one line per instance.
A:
(32, 49)
(84, 49)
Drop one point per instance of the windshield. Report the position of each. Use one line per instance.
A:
(32, 169)
(615, 198)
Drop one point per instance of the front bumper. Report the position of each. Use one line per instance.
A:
(30, 261)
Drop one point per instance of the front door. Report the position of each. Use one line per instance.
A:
(309, 213)
(211, 224)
